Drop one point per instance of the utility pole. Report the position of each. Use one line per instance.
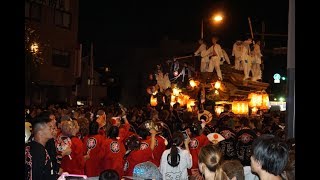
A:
(201, 28)
(290, 105)
(263, 28)
(91, 76)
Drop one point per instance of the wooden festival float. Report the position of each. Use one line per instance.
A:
(192, 89)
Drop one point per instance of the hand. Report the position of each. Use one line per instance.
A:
(86, 157)
(67, 151)
(187, 141)
(153, 131)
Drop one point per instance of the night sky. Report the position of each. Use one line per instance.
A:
(143, 23)
(119, 26)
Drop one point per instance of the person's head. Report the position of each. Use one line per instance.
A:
(42, 129)
(248, 40)
(116, 121)
(174, 157)
(195, 128)
(52, 121)
(269, 155)
(83, 126)
(143, 133)
(145, 170)
(150, 76)
(233, 169)
(101, 117)
(113, 132)
(214, 39)
(93, 128)
(226, 108)
(109, 174)
(290, 168)
(209, 159)
(244, 121)
(132, 142)
(69, 128)
(200, 41)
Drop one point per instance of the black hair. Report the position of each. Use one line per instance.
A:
(38, 122)
(113, 132)
(133, 142)
(143, 133)
(109, 174)
(174, 158)
(195, 128)
(271, 153)
(93, 128)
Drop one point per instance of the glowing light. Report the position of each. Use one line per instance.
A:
(192, 83)
(218, 110)
(217, 85)
(217, 18)
(254, 110)
(153, 101)
(281, 99)
(34, 47)
(240, 107)
(155, 92)
(176, 91)
(190, 104)
(172, 103)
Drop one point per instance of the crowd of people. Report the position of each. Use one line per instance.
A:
(115, 142)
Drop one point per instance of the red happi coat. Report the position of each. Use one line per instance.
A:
(194, 146)
(74, 163)
(135, 157)
(113, 158)
(95, 147)
(159, 148)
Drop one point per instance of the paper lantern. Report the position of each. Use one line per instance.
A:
(190, 104)
(183, 99)
(265, 101)
(254, 110)
(176, 91)
(255, 100)
(218, 110)
(153, 101)
(259, 100)
(240, 107)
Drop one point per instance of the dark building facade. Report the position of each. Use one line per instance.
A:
(55, 23)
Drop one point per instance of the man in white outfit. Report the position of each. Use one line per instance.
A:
(236, 52)
(246, 58)
(256, 69)
(215, 54)
(200, 52)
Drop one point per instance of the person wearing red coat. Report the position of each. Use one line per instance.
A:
(95, 148)
(115, 151)
(135, 155)
(73, 163)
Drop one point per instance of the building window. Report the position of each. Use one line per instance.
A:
(33, 11)
(61, 58)
(62, 19)
(63, 5)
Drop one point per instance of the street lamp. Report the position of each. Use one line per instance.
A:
(217, 18)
